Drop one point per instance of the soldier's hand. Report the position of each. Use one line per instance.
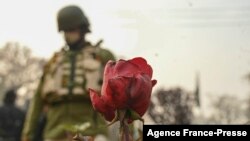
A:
(82, 138)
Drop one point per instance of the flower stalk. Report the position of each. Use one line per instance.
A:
(125, 134)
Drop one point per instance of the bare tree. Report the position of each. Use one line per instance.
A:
(247, 112)
(173, 106)
(227, 109)
(18, 68)
(248, 109)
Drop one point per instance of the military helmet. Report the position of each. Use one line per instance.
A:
(71, 17)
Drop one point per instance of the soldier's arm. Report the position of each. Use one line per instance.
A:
(33, 114)
(106, 55)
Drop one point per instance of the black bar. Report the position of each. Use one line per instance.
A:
(164, 132)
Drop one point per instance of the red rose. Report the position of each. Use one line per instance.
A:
(127, 85)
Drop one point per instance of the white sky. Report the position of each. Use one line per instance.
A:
(177, 37)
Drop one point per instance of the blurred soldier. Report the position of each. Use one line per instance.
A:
(65, 82)
(11, 118)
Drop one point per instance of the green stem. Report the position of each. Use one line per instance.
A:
(126, 131)
(124, 128)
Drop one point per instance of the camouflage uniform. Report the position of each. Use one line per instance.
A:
(64, 85)
(68, 101)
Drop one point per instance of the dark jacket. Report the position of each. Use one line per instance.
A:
(11, 122)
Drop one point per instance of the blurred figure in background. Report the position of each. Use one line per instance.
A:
(11, 118)
(65, 82)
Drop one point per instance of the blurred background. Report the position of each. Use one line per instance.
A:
(199, 51)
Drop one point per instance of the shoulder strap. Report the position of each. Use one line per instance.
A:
(103, 55)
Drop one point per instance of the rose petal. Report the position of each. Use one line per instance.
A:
(143, 66)
(108, 74)
(99, 105)
(109, 70)
(141, 107)
(140, 88)
(125, 68)
(141, 93)
(120, 91)
(154, 82)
